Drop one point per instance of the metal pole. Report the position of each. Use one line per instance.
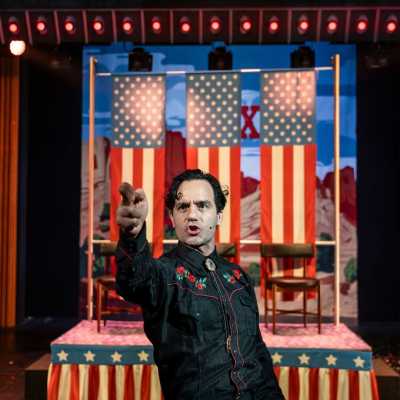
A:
(92, 77)
(336, 72)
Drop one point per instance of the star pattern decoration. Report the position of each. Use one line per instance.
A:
(277, 358)
(62, 356)
(359, 362)
(287, 112)
(116, 357)
(213, 109)
(89, 356)
(138, 109)
(143, 356)
(331, 359)
(304, 359)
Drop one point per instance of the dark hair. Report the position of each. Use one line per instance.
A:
(190, 175)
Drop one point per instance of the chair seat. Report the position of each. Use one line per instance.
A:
(294, 283)
(107, 280)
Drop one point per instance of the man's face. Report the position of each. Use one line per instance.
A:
(195, 216)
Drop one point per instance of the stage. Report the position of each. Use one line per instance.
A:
(118, 363)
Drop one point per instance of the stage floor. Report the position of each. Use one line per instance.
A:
(124, 342)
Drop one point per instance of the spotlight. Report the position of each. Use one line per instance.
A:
(391, 24)
(13, 26)
(245, 24)
(184, 25)
(17, 47)
(303, 57)
(220, 59)
(273, 25)
(332, 25)
(70, 25)
(362, 24)
(156, 25)
(215, 25)
(140, 60)
(127, 25)
(303, 25)
(98, 25)
(41, 25)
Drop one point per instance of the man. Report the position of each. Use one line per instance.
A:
(200, 311)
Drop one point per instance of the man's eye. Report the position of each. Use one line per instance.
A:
(182, 206)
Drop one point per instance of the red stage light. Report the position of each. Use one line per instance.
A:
(332, 27)
(13, 28)
(127, 26)
(273, 27)
(69, 26)
(303, 26)
(156, 25)
(245, 25)
(215, 25)
(184, 25)
(98, 26)
(391, 24)
(362, 25)
(41, 26)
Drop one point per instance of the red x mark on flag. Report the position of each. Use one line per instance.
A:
(248, 122)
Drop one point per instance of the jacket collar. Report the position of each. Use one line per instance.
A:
(195, 258)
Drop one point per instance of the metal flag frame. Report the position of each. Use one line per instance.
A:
(335, 68)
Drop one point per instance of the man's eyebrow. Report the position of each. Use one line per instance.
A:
(207, 202)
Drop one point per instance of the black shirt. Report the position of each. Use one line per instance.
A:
(203, 323)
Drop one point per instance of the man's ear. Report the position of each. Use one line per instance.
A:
(219, 218)
(171, 217)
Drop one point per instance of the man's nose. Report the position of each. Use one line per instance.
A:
(192, 212)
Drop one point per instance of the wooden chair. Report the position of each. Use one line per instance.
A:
(301, 252)
(107, 283)
(104, 285)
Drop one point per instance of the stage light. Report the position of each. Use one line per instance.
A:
(245, 24)
(17, 47)
(303, 57)
(184, 25)
(273, 26)
(70, 25)
(332, 25)
(140, 60)
(127, 25)
(303, 25)
(215, 25)
(13, 26)
(41, 25)
(156, 25)
(220, 59)
(98, 25)
(362, 25)
(391, 24)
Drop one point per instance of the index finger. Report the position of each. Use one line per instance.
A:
(127, 192)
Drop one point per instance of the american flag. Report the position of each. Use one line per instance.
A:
(213, 138)
(138, 153)
(288, 161)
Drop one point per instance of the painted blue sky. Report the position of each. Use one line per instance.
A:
(114, 59)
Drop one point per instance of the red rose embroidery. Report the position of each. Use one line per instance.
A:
(199, 286)
(180, 270)
(232, 279)
(237, 273)
(192, 278)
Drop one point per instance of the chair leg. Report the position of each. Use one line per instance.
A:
(98, 305)
(319, 308)
(273, 309)
(305, 308)
(266, 306)
(105, 305)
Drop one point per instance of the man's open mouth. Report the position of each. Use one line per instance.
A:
(193, 230)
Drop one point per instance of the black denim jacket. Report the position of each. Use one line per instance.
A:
(203, 324)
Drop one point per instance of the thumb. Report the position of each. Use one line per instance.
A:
(127, 192)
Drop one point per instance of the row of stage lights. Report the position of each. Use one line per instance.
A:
(200, 26)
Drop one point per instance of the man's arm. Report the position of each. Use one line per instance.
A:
(141, 279)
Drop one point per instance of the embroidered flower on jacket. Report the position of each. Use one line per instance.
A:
(182, 272)
(236, 274)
